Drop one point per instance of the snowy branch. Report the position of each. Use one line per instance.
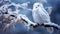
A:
(34, 25)
(47, 25)
(26, 22)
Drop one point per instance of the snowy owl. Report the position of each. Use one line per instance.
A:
(40, 15)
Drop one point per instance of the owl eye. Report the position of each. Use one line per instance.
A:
(38, 5)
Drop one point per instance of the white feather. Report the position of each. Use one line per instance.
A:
(40, 15)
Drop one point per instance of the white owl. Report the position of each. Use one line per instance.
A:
(40, 15)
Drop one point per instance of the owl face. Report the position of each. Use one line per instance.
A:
(36, 6)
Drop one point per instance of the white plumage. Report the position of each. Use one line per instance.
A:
(40, 15)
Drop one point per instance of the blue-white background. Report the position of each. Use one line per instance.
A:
(55, 17)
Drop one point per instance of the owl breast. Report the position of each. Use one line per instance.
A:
(36, 17)
(40, 17)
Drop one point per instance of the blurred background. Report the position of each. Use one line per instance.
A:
(20, 29)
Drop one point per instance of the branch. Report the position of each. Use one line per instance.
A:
(47, 25)
(52, 25)
(34, 25)
(29, 23)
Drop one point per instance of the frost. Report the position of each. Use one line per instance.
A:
(11, 18)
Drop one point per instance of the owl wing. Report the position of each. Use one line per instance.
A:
(45, 19)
